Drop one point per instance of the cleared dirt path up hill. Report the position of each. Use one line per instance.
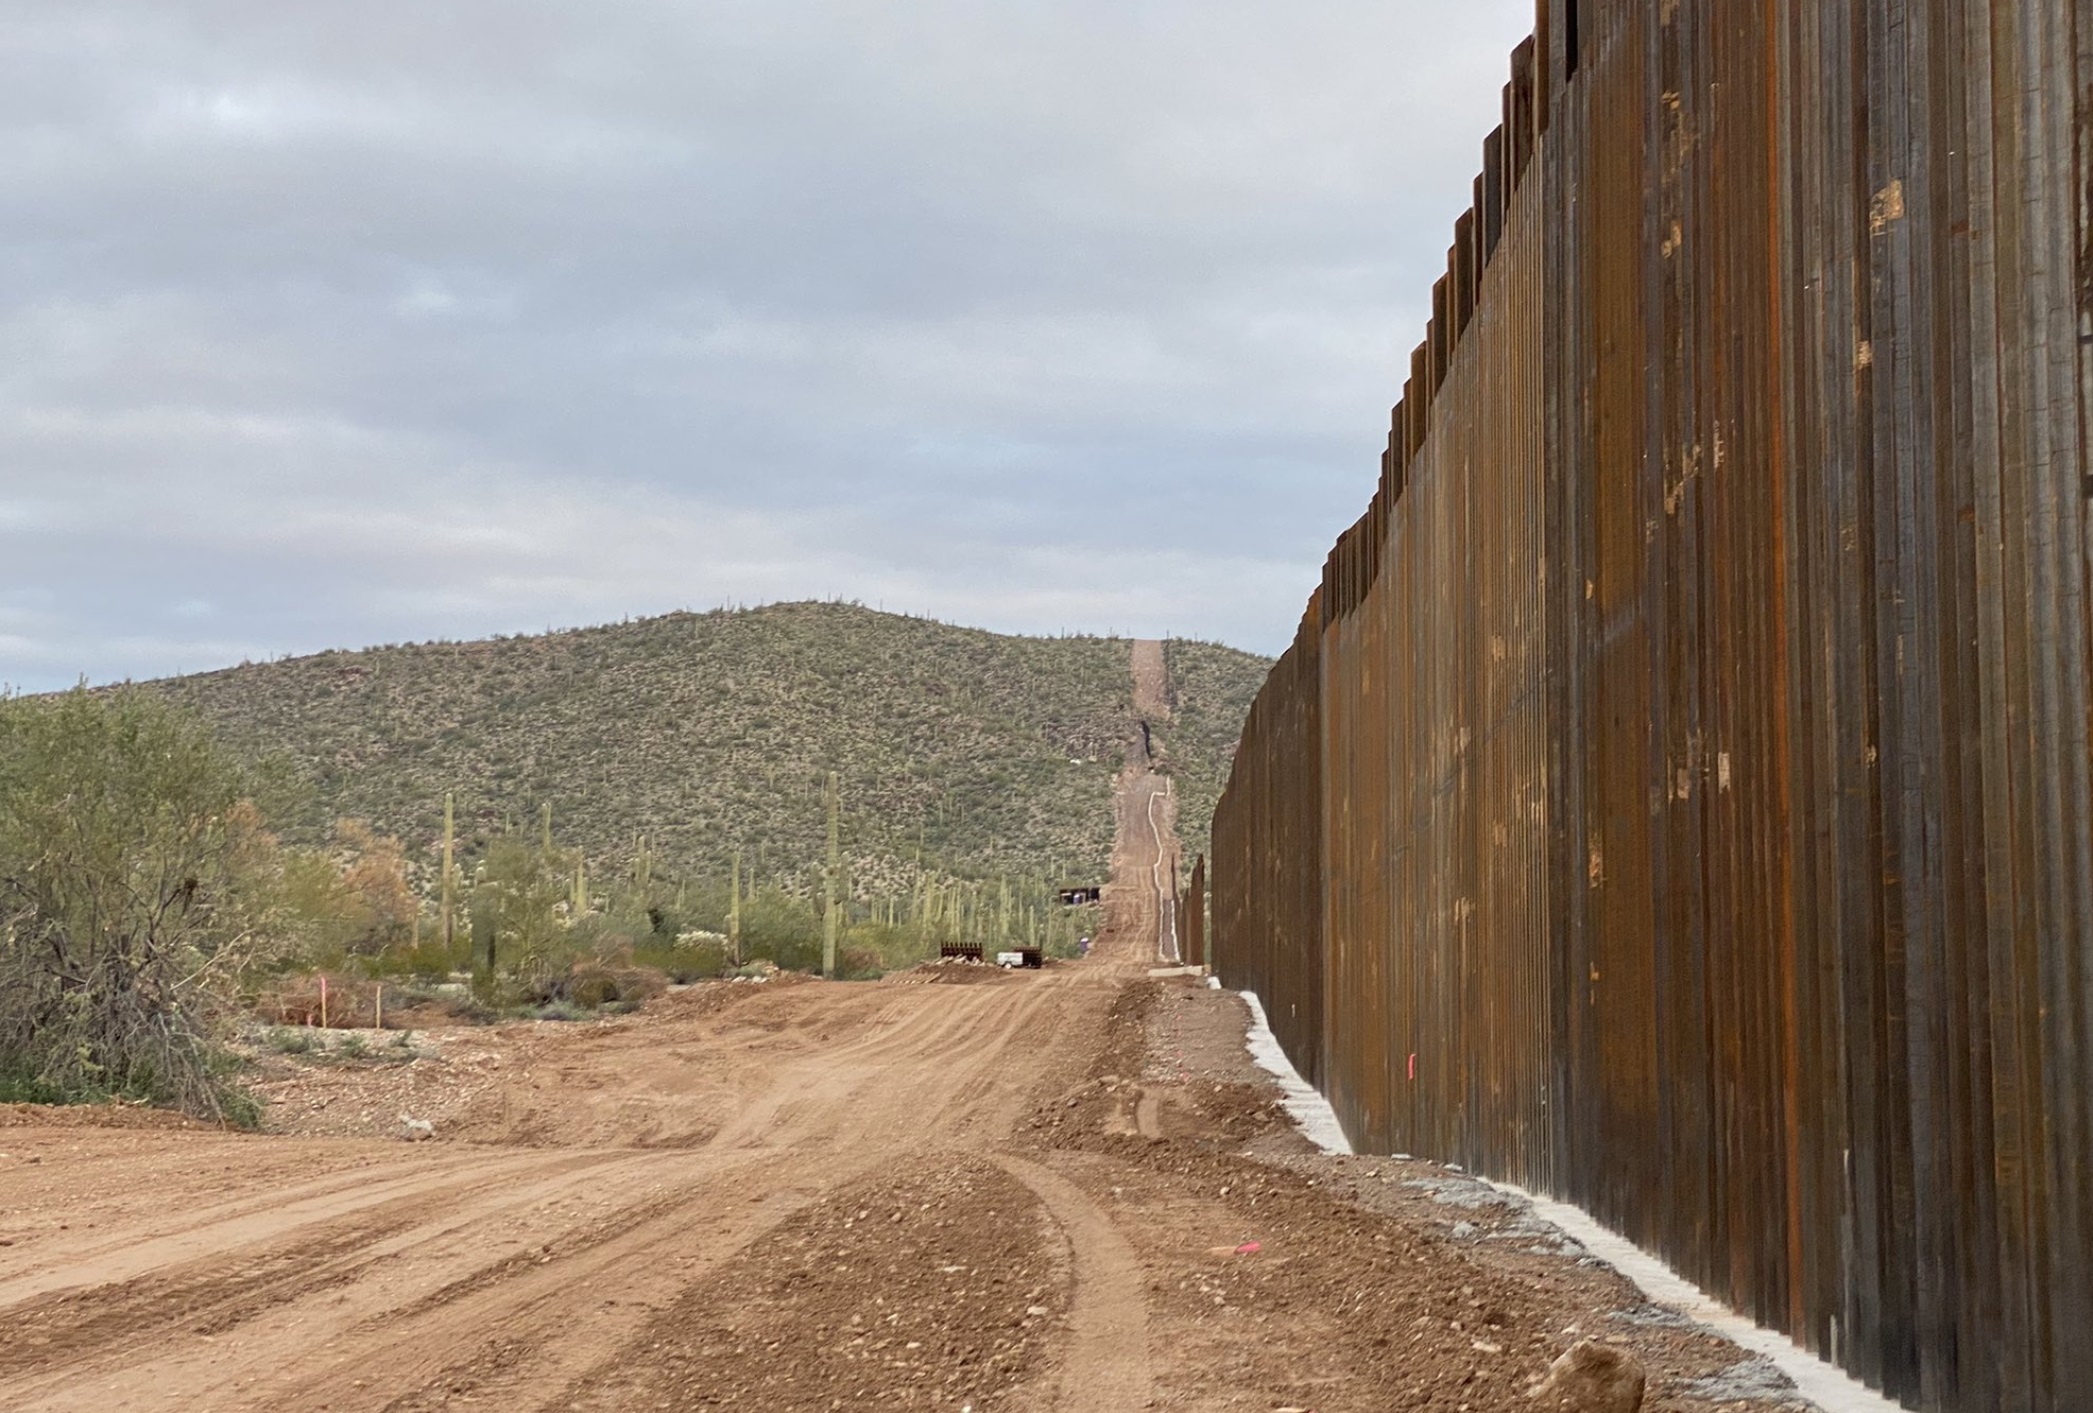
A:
(1144, 853)
(1057, 1192)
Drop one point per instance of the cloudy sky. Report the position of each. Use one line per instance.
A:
(326, 324)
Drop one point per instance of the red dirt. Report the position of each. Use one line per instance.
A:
(1024, 1194)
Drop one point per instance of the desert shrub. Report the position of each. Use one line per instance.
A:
(522, 935)
(684, 962)
(136, 884)
(24, 1086)
(455, 1003)
(871, 949)
(352, 899)
(292, 1040)
(784, 929)
(590, 987)
(427, 960)
(859, 963)
(604, 936)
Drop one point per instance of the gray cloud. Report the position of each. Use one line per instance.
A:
(326, 324)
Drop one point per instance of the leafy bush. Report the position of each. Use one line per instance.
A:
(353, 898)
(136, 884)
(685, 962)
(783, 929)
(871, 949)
(427, 960)
(859, 963)
(292, 1040)
(22, 1086)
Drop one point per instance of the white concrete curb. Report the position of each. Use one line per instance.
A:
(1828, 1386)
(1303, 1101)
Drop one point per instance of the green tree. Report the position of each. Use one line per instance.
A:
(354, 900)
(136, 883)
(782, 928)
(517, 898)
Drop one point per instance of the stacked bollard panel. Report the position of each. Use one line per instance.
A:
(1677, 797)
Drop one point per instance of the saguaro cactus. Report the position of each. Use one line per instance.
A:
(828, 884)
(734, 911)
(643, 867)
(450, 882)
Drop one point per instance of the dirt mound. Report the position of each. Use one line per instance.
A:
(938, 1289)
(94, 1116)
(951, 971)
(443, 1078)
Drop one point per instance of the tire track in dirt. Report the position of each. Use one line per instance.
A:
(1106, 1366)
(930, 1286)
(644, 1242)
(91, 1261)
(249, 1225)
(108, 1325)
(931, 1065)
(487, 1272)
(522, 1331)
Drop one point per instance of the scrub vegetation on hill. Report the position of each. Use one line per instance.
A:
(631, 804)
(1211, 688)
(961, 754)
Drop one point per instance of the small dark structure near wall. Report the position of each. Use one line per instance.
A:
(1076, 897)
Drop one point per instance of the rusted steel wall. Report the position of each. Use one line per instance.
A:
(1194, 916)
(1267, 882)
(1678, 796)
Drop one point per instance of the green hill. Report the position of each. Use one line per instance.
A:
(971, 754)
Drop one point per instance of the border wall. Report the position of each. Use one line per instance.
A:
(1676, 798)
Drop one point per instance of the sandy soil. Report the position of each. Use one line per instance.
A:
(1061, 1190)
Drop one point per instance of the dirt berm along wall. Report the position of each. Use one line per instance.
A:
(1676, 798)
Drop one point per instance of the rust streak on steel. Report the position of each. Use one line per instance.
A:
(1678, 795)
(1194, 920)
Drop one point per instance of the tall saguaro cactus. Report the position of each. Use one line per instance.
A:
(828, 886)
(450, 883)
(734, 911)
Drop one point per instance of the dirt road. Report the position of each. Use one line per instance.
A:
(1143, 891)
(1065, 1190)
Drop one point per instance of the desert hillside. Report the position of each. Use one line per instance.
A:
(976, 753)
